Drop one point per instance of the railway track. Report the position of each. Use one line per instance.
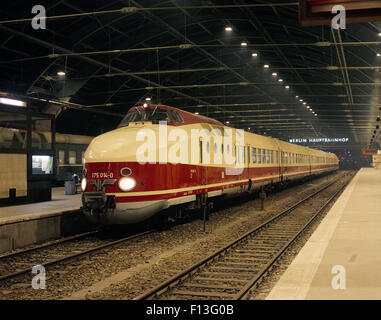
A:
(231, 272)
(19, 263)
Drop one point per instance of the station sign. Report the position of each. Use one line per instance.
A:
(319, 140)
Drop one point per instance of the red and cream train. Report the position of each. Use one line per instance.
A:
(118, 188)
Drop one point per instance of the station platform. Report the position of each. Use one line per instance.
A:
(24, 225)
(59, 203)
(342, 258)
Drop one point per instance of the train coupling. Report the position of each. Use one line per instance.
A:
(97, 202)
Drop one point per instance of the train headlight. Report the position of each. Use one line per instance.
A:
(126, 184)
(84, 184)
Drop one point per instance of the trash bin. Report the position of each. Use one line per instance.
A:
(69, 187)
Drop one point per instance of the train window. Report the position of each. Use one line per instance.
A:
(243, 155)
(222, 149)
(61, 157)
(259, 155)
(215, 148)
(72, 157)
(227, 149)
(154, 115)
(272, 156)
(83, 157)
(176, 116)
(254, 155)
(248, 154)
(268, 156)
(208, 147)
(277, 157)
(263, 156)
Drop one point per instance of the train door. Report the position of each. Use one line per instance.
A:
(248, 162)
(204, 172)
(279, 162)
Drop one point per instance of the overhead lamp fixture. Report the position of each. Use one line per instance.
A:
(308, 107)
(61, 73)
(379, 34)
(304, 103)
(274, 74)
(148, 99)
(227, 122)
(197, 113)
(266, 66)
(254, 54)
(297, 97)
(378, 54)
(280, 80)
(13, 102)
(244, 44)
(287, 87)
(228, 29)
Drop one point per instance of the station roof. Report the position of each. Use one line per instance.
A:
(224, 59)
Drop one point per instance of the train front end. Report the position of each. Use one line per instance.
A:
(115, 184)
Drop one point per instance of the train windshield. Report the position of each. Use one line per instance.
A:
(154, 115)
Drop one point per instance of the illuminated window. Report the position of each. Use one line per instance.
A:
(72, 157)
(61, 157)
(42, 164)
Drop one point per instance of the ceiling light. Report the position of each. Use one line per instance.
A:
(378, 54)
(227, 122)
(274, 74)
(197, 113)
(254, 54)
(301, 100)
(61, 73)
(280, 80)
(304, 103)
(243, 44)
(287, 87)
(228, 29)
(13, 102)
(266, 66)
(308, 107)
(297, 96)
(379, 34)
(148, 99)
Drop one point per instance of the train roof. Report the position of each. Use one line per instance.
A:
(189, 118)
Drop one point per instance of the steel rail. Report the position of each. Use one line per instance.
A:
(47, 245)
(72, 256)
(178, 278)
(243, 294)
